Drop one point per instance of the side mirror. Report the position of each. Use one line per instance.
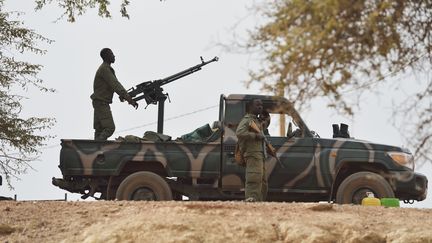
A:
(314, 134)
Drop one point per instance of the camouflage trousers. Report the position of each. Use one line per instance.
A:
(256, 180)
(103, 121)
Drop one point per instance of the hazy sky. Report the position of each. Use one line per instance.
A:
(160, 39)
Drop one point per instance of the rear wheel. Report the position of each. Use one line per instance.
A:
(145, 186)
(353, 189)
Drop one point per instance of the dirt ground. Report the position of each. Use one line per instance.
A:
(120, 221)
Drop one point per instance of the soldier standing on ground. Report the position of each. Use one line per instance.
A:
(104, 86)
(252, 147)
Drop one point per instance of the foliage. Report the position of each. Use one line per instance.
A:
(338, 49)
(77, 8)
(413, 117)
(19, 138)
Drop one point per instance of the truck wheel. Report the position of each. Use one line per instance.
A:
(144, 185)
(353, 189)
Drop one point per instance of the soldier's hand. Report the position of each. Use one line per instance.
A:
(134, 104)
(259, 136)
(271, 150)
(131, 102)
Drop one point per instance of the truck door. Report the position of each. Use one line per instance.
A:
(300, 170)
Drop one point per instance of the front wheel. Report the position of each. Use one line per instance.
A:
(353, 189)
(144, 186)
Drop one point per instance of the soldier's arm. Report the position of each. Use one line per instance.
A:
(112, 81)
(243, 130)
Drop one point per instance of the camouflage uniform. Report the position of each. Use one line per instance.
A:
(104, 86)
(254, 154)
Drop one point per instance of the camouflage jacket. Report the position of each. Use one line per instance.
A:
(247, 140)
(105, 84)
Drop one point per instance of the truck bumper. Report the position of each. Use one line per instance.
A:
(409, 185)
(74, 187)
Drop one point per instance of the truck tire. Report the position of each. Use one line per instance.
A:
(144, 185)
(353, 189)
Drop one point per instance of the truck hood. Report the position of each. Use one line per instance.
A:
(349, 143)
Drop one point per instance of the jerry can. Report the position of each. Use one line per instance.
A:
(370, 200)
(390, 202)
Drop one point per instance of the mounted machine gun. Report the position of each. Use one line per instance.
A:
(152, 91)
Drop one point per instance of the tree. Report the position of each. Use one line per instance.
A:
(19, 137)
(77, 8)
(325, 48)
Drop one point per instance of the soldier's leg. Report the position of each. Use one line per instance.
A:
(253, 178)
(264, 188)
(105, 120)
(96, 123)
(108, 127)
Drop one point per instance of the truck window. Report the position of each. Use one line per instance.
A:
(279, 124)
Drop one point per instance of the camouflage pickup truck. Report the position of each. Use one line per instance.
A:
(339, 169)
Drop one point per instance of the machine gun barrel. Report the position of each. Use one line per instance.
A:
(185, 72)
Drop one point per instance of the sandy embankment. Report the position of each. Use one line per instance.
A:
(45, 221)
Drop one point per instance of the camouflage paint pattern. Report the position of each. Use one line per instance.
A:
(311, 164)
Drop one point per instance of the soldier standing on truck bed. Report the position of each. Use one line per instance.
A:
(252, 147)
(104, 86)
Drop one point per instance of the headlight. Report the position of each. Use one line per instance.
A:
(403, 159)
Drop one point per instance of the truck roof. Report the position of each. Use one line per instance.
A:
(255, 96)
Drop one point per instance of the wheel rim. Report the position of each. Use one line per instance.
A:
(143, 194)
(358, 195)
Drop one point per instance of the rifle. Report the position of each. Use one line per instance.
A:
(270, 149)
(152, 91)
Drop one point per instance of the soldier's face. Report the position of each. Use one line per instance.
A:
(112, 57)
(257, 107)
